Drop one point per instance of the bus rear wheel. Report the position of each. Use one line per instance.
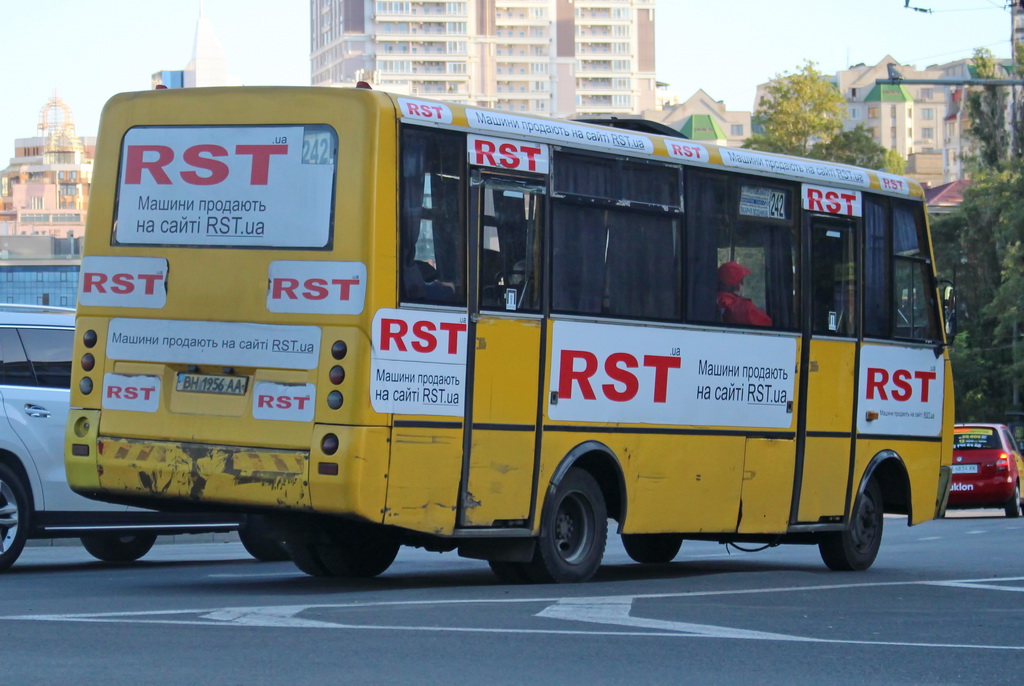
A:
(855, 548)
(652, 548)
(573, 532)
(347, 550)
(118, 547)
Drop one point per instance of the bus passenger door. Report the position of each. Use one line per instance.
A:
(831, 322)
(504, 357)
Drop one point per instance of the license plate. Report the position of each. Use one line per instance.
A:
(965, 469)
(221, 384)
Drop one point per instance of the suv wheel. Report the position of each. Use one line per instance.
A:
(14, 517)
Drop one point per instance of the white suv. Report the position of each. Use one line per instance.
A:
(35, 500)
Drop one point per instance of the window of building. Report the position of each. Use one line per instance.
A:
(854, 113)
(927, 113)
(736, 130)
(873, 112)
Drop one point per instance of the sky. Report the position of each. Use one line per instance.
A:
(87, 50)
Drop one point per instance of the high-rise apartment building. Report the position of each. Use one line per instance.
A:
(554, 57)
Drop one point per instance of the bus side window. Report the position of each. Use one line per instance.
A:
(432, 240)
(510, 247)
(745, 222)
(877, 257)
(615, 238)
(914, 294)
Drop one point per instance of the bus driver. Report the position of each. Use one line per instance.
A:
(734, 308)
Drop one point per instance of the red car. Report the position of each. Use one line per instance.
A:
(986, 468)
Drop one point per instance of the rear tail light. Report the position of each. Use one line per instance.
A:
(1003, 463)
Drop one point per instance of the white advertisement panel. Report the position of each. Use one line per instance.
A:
(802, 169)
(258, 186)
(901, 391)
(419, 363)
(831, 200)
(240, 344)
(316, 287)
(132, 392)
(559, 131)
(502, 153)
(636, 374)
(283, 402)
(123, 282)
(687, 150)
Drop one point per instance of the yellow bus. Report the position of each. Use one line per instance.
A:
(380, 320)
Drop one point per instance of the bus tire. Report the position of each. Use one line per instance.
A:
(14, 517)
(652, 548)
(1012, 506)
(258, 542)
(855, 548)
(304, 555)
(118, 547)
(348, 551)
(510, 572)
(573, 531)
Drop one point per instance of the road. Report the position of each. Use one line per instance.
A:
(943, 604)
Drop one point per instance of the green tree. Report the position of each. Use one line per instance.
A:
(981, 247)
(986, 107)
(858, 148)
(799, 110)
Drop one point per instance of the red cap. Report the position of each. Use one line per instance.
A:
(732, 273)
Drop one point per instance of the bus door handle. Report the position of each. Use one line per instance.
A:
(36, 411)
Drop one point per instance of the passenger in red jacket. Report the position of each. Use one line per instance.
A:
(734, 307)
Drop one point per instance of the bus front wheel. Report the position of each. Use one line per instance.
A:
(855, 548)
(573, 531)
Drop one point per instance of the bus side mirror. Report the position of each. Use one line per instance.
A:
(948, 291)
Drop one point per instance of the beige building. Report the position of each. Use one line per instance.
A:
(553, 57)
(703, 118)
(44, 190)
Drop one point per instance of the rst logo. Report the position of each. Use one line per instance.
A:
(507, 154)
(316, 287)
(897, 184)
(123, 282)
(900, 385)
(577, 369)
(831, 200)
(429, 111)
(405, 337)
(152, 160)
(284, 402)
(131, 392)
(687, 151)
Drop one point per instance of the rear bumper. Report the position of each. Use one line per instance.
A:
(180, 476)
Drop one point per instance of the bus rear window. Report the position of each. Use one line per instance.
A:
(227, 186)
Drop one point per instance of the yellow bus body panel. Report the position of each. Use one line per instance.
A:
(423, 479)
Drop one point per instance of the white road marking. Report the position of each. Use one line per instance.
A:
(604, 610)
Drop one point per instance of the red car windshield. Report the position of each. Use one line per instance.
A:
(976, 438)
